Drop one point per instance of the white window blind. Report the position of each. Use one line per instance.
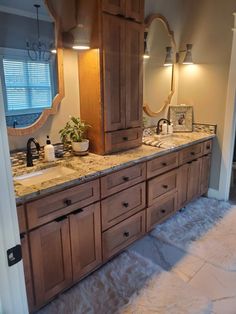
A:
(27, 83)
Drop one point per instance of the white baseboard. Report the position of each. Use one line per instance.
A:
(212, 193)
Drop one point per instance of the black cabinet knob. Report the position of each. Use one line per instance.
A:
(67, 202)
(126, 234)
(125, 204)
(126, 178)
(164, 164)
(165, 186)
(208, 147)
(163, 211)
(192, 153)
(125, 138)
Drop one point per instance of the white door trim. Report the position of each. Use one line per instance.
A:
(12, 285)
(229, 126)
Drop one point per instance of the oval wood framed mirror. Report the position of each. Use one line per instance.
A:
(34, 117)
(158, 80)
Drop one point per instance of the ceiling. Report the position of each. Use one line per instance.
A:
(25, 8)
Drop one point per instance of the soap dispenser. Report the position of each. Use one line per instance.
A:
(49, 152)
(164, 128)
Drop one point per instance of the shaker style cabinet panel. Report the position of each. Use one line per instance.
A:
(205, 174)
(51, 260)
(116, 7)
(85, 230)
(135, 10)
(114, 72)
(132, 9)
(134, 74)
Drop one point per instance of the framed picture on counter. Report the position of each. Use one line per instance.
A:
(181, 117)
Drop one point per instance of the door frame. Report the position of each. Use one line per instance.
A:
(12, 284)
(229, 125)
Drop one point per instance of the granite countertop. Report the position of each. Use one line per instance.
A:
(93, 166)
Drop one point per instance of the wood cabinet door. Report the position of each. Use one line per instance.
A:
(135, 10)
(116, 7)
(27, 271)
(85, 228)
(205, 174)
(183, 185)
(51, 260)
(114, 72)
(194, 179)
(134, 74)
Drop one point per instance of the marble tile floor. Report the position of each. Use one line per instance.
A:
(214, 283)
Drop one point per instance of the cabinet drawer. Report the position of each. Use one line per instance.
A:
(162, 164)
(50, 207)
(207, 147)
(161, 185)
(123, 139)
(120, 180)
(190, 153)
(161, 210)
(122, 205)
(21, 218)
(123, 234)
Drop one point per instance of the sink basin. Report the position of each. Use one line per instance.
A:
(167, 136)
(44, 175)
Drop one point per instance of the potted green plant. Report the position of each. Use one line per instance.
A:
(74, 132)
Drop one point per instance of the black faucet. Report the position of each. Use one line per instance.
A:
(158, 125)
(29, 156)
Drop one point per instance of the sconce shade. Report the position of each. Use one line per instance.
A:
(188, 57)
(169, 57)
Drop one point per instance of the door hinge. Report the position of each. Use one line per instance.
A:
(14, 255)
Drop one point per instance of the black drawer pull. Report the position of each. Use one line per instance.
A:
(125, 178)
(163, 211)
(67, 202)
(59, 219)
(126, 234)
(189, 162)
(165, 186)
(208, 147)
(125, 138)
(78, 211)
(192, 153)
(125, 204)
(164, 164)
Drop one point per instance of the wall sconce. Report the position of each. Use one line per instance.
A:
(169, 57)
(146, 52)
(188, 59)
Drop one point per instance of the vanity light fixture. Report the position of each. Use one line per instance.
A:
(146, 54)
(169, 58)
(188, 59)
(38, 50)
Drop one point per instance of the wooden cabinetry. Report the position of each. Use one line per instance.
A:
(70, 233)
(51, 259)
(85, 230)
(114, 110)
(133, 9)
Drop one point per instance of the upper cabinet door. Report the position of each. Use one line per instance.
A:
(114, 72)
(135, 10)
(134, 74)
(116, 7)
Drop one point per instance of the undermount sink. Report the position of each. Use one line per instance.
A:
(44, 175)
(166, 136)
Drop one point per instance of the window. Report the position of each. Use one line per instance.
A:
(27, 85)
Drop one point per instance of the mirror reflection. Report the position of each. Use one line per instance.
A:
(28, 61)
(158, 73)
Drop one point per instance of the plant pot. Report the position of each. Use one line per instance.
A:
(80, 146)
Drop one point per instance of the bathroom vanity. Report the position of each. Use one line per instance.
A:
(72, 225)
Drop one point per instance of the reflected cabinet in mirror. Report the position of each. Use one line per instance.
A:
(159, 60)
(31, 69)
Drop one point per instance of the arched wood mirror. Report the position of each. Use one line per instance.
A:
(158, 80)
(32, 84)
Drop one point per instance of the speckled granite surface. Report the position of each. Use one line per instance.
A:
(93, 166)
